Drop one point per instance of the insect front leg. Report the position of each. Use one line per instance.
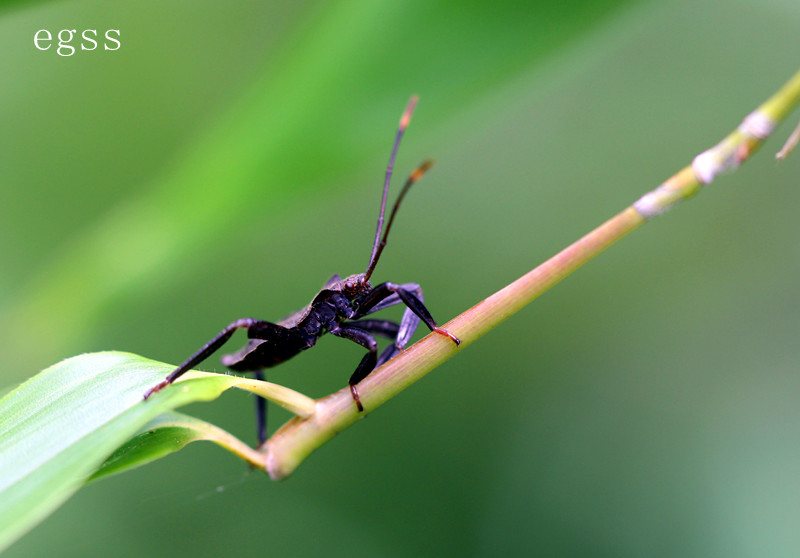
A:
(409, 294)
(408, 324)
(206, 351)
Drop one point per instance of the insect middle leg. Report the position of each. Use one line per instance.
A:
(391, 330)
(367, 363)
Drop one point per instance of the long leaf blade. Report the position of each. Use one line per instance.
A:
(59, 427)
(167, 434)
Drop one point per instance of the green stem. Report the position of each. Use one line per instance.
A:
(293, 401)
(300, 436)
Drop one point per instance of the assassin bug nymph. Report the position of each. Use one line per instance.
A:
(337, 309)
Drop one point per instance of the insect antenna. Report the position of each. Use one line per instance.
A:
(379, 243)
(416, 175)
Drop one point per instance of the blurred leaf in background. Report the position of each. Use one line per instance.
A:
(228, 159)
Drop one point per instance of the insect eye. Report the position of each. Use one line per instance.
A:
(349, 285)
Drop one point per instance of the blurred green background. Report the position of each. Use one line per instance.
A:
(228, 159)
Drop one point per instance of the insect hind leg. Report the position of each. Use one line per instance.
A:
(207, 350)
(261, 411)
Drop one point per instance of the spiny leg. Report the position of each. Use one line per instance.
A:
(206, 351)
(367, 363)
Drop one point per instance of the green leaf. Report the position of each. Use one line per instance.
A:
(166, 434)
(60, 426)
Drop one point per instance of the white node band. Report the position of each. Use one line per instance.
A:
(656, 202)
(757, 125)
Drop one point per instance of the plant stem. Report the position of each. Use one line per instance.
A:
(293, 401)
(290, 445)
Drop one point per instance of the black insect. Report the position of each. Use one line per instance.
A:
(337, 309)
